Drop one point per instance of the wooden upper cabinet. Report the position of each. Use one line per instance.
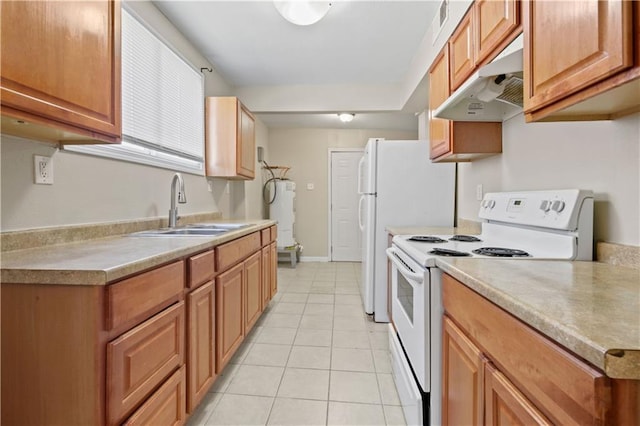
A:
(494, 21)
(572, 45)
(229, 139)
(60, 70)
(439, 134)
(462, 60)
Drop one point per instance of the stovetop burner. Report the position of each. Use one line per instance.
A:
(447, 252)
(500, 252)
(427, 239)
(465, 238)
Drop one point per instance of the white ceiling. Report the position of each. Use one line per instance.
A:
(358, 59)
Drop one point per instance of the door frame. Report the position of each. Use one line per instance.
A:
(330, 195)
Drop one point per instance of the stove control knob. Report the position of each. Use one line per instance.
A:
(545, 206)
(557, 206)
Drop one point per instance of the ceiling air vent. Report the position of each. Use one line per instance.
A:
(439, 20)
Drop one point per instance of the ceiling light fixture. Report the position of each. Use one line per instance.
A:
(346, 117)
(302, 12)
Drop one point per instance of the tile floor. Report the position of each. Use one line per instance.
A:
(313, 358)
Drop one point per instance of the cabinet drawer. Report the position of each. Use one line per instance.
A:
(274, 232)
(201, 269)
(231, 253)
(139, 360)
(137, 298)
(563, 387)
(265, 236)
(165, 406)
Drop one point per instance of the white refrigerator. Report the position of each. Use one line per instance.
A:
(399, 187)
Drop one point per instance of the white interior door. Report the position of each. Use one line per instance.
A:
(346, 240)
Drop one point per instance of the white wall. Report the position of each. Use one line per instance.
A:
(603, 156)
(306, 151)
(90, 189)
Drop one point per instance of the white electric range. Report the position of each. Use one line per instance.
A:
(515, 225)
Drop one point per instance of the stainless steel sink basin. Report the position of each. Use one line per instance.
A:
(225, 226)
(188, 232)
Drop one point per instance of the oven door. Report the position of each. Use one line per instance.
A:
(410, 311)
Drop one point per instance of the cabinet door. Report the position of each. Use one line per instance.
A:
(252, 290)
(274, 269)
(201, 358)
(461, 54)
(505, 405)
(229, 314)
(61, 65)
(462, 378)
(439, 130)
(246, 143)
(266, 276)
(572, 44)
(494, 21)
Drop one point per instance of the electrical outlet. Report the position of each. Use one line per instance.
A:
(479, 192)
(43, 170)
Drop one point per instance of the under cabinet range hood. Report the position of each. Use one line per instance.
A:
(493, 93)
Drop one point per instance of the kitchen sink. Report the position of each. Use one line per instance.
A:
(188, 232)
(194, 230)
(225, 226)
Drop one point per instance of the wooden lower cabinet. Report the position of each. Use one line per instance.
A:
(165, 407)
(201, 357)
(498, 370)
(266, 275)
(141, 359)
(505, 404)
(253, 290)
(462, 378)
(229, 314)
(274, 269)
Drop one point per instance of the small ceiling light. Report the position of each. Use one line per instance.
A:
(302, 12)
(346, 117)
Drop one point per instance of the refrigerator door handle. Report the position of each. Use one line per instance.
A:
(360, 224)
(360, 177)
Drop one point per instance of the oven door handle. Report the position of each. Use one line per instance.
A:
(402, 267)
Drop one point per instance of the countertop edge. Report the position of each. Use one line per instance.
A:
(107, 276)
(617, 363)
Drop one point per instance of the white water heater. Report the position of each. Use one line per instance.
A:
(282, 210)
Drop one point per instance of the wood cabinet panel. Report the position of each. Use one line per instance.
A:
(274, 232)
(461, 51)
(229, 314)
(462, 378)
(61, 69)
(141, 359)
(51, 354)
(505, 405)
(165, 406)
(246, 147)
(230, 253)
(201, 268)
(229, 139)
(274, 269)
(253, 290)
(571, 45)
(494, 21)
(560, 385)
(201, 358)
(130, 301)
(265, 236)
(266, 275)
(439, 134)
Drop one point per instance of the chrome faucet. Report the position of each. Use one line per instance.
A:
(182, 199)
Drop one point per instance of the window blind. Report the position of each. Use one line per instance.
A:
(162, 95)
